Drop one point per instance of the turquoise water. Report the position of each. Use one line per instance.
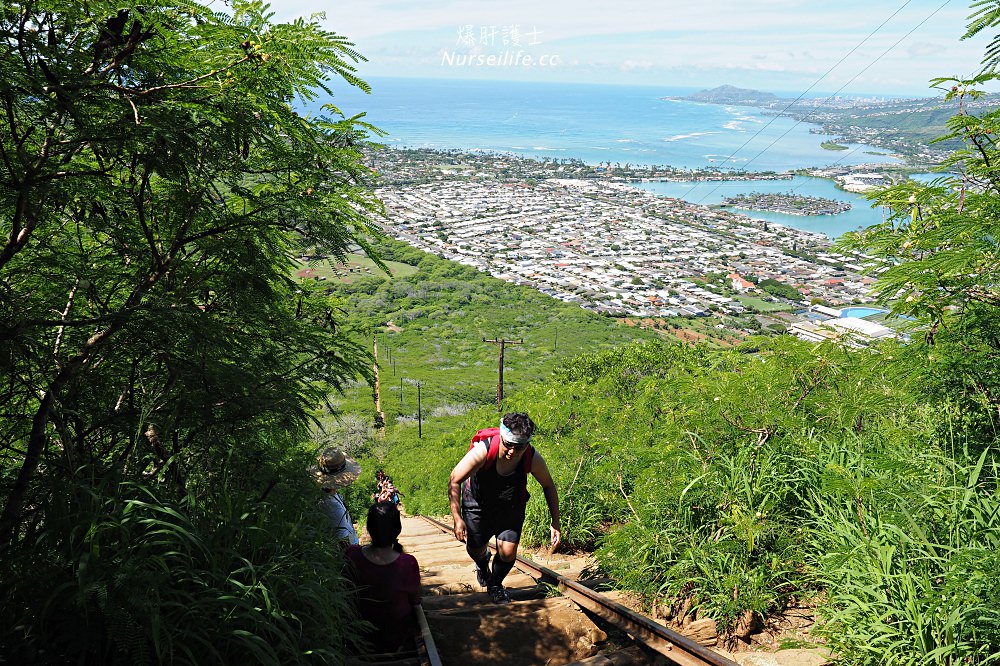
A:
(712, 192)
(861, 313)
(594, 123)
(618, 125)
(925, 178)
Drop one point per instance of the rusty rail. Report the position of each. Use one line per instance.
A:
(425, 646)
(678, 649)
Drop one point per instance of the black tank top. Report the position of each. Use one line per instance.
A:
(487, 488)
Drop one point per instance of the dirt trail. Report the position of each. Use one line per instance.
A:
(469, 629)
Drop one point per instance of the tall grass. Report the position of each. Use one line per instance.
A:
(914, 578)
(716, 536)
(738, 483)
(123, 575)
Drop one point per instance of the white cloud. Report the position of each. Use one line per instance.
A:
(924, 49)
(660, 38)
(629, 65)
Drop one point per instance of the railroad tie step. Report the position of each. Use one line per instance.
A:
(402, 658)
(627, 657)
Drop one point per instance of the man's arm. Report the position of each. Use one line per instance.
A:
(540, 471)
(343, 528)
(465, 468)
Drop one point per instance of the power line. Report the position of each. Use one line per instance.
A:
(814, 84)
(837, 92)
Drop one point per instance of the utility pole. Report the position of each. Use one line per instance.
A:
(379, 415)
(503, 343)
(420, 422)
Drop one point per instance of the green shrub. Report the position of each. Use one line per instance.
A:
(122, 575)
(913, 578)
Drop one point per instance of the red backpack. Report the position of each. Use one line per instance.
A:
(492, 435)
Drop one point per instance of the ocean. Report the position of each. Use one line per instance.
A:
(614, 124)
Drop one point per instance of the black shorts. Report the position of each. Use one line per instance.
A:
(504, 523)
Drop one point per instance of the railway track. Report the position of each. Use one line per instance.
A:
(460, 626)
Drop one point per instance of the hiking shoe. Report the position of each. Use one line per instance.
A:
(483, 575)
(499, 594)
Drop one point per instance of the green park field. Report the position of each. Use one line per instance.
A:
(356, 267)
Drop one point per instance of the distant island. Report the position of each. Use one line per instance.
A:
(789, 204)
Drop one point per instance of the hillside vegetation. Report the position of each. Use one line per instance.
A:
(167, 382)
(430, 325)
(159, 370)
(735, 483)
(741, 481)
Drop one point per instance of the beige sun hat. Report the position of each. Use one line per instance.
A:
(333, 469)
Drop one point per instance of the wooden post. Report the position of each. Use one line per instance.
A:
(379, 416)
(503, 343)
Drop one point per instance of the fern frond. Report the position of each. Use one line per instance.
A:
(987, 15)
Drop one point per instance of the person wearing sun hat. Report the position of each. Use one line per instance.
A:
(334, 470)
(488, 492)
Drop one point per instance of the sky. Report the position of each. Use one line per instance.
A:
(772, 45)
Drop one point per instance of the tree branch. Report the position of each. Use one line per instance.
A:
(621, 487)
(62, 329)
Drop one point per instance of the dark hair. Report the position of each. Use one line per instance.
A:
(384, 525)
(519, 423)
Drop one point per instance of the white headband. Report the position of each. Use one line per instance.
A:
(511, 437)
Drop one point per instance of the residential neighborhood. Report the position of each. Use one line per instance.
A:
(616, 249)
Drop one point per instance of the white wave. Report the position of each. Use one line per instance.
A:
(734, 125)
(626, 141)
(726, 158)
(692, 135)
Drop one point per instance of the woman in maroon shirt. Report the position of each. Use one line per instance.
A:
(388, 581)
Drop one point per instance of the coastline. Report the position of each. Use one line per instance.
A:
(599, 124)
(916, 124)
(710, 194)
(629, 135)
(889, 173)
